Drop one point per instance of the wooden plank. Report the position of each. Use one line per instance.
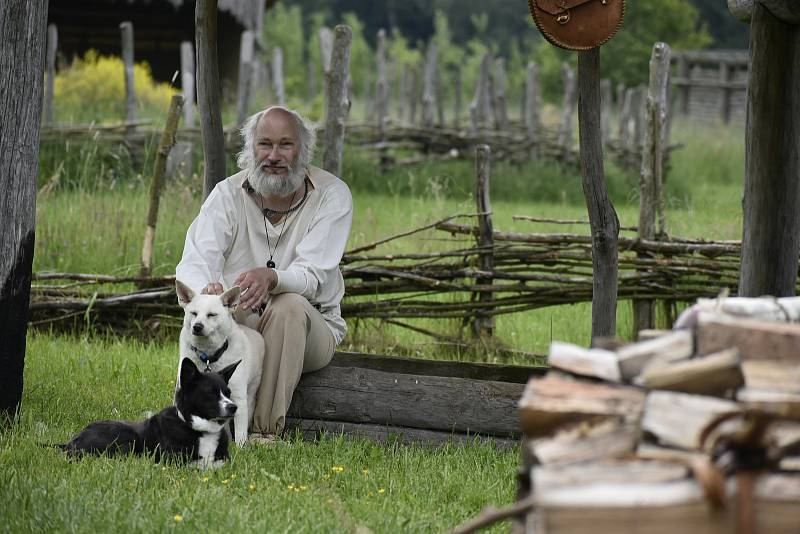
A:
(553, 401)
(519, 374)
(359, 395)
(754, 339)
(312, 429)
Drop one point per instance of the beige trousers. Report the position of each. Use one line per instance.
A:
(297, 340)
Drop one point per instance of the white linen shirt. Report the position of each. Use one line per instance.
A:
(228, 238)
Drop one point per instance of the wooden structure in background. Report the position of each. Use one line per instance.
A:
(710, 85)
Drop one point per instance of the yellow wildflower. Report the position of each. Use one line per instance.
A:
(381, 491)
(178, 518)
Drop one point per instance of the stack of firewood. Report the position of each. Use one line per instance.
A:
(696, 428)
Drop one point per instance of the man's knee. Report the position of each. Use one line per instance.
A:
(288, 307)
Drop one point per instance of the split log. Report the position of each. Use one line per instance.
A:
(553, 401)
(786, 309)
(754, 339)
(585, 441)
(594, 363)
(669, 348)
(678, 419)
(715, 375)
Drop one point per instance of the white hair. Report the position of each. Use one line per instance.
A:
(306, 132)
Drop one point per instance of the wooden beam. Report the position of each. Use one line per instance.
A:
(368, 396)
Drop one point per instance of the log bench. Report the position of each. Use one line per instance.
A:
(393, 399)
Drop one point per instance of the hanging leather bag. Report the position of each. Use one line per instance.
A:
(577, 24)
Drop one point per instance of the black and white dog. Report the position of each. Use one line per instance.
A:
(192, 429)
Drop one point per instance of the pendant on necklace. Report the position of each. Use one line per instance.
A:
(270, 264)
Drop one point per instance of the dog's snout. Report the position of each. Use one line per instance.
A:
(197, 328)
(232, 408)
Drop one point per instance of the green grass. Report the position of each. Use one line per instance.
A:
(289, 488)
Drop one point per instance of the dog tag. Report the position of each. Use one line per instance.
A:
(270, 264)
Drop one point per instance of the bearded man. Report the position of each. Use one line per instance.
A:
(278, 230)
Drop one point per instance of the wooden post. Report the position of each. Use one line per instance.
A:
(532, 106)
(312, 81)
(652, 171)
(325, 51)
(602, 216)
(22, 55)
(501, 114)
(247, 43)
(625, 118)
(402, 97)
(208, 94)
(381, 83)
(429, 87)
(438, 91)
(52, 48)
(126, 29)
(413, 91)
(338, 101)
(457, 98)
(477, 107)
(568, 108)
(157, 183)
(637, 114)
(277, 76)
(771, 234)
(179, 161)
(484, 324)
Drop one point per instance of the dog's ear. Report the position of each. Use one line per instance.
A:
(185, 293)
(227, 373)
(189, 372)
(231, 297)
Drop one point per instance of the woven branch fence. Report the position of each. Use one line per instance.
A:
(531, 270)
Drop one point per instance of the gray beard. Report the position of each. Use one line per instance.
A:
(267, 184)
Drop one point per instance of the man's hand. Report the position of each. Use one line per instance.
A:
(214, 288)
(256, 285)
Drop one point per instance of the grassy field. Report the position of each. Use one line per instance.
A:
(90, 218)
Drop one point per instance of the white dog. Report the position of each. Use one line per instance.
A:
(213, 340)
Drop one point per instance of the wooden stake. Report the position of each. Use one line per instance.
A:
(602, 216)
(484, 325)
(157, 182)
(126, 29)
(338, 102)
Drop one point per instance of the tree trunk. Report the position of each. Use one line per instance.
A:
(23, 26)
(602, 217)
(208, 94)
(338, 102)
(771, 235)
